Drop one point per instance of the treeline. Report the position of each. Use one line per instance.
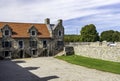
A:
(89, 33)
(72, 38)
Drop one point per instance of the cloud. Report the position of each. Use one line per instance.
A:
(106, 18)
(75, 13)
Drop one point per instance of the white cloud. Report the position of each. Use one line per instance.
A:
(38, 10)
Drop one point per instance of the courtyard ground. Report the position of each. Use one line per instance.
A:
(49, 69)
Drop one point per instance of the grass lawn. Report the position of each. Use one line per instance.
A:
(108, 66)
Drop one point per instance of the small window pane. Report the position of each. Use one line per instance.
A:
(33, 43)
(33, 32)
(6, 44)
(7, 53)
(21, 44)
(44, 44)
(60, 33)
(34, 52)
(6, 32)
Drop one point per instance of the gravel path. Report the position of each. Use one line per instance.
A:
(50, 69)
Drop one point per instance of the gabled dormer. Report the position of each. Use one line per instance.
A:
(33, 31)
(59, 29)
(6, 31)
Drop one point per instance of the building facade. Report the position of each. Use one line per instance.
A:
(20, 40)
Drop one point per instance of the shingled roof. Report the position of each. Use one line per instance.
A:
(20, 30)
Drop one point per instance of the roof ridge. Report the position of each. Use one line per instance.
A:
(20, 22)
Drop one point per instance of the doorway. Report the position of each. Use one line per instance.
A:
(21, 54)
(34, 52)
(7, 54)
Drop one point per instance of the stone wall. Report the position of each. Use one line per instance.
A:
(15, 50)
(98, 50)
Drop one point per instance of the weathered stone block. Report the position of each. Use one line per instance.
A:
(69, 50)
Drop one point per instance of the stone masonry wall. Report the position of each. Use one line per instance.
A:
(96, 50)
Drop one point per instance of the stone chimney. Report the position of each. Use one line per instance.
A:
(60, 21)
(47, 21)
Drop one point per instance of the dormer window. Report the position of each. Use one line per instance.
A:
(7, 32)
(33, 33)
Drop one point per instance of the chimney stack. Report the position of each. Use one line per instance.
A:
(60, 21)
(47, 21)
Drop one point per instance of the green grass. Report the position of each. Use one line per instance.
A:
(107, 66)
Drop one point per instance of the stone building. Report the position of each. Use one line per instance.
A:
(19, 40)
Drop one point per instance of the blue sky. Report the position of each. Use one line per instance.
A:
(75, 13)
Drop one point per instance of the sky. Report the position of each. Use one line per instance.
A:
(104, 14)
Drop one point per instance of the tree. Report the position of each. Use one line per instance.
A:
(71, 38)
(116, 36)
(110, 36)
(89, 33)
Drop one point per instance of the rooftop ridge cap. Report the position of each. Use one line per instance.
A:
(20, 22)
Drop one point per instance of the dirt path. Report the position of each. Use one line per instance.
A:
(51, 69)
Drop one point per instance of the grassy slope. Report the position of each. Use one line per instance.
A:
(98, 64)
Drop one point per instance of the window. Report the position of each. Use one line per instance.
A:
(59, 43)
(6, 32)
(59, 33)
(6, 44)
(33, 52)
(20, 44)
(44, 44)
(7, 53)
(33, 33)
(33, 43)
(21, 54)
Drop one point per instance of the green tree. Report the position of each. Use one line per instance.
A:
(110, 36)
(116, 36)
(71, 38)
(89, 33)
